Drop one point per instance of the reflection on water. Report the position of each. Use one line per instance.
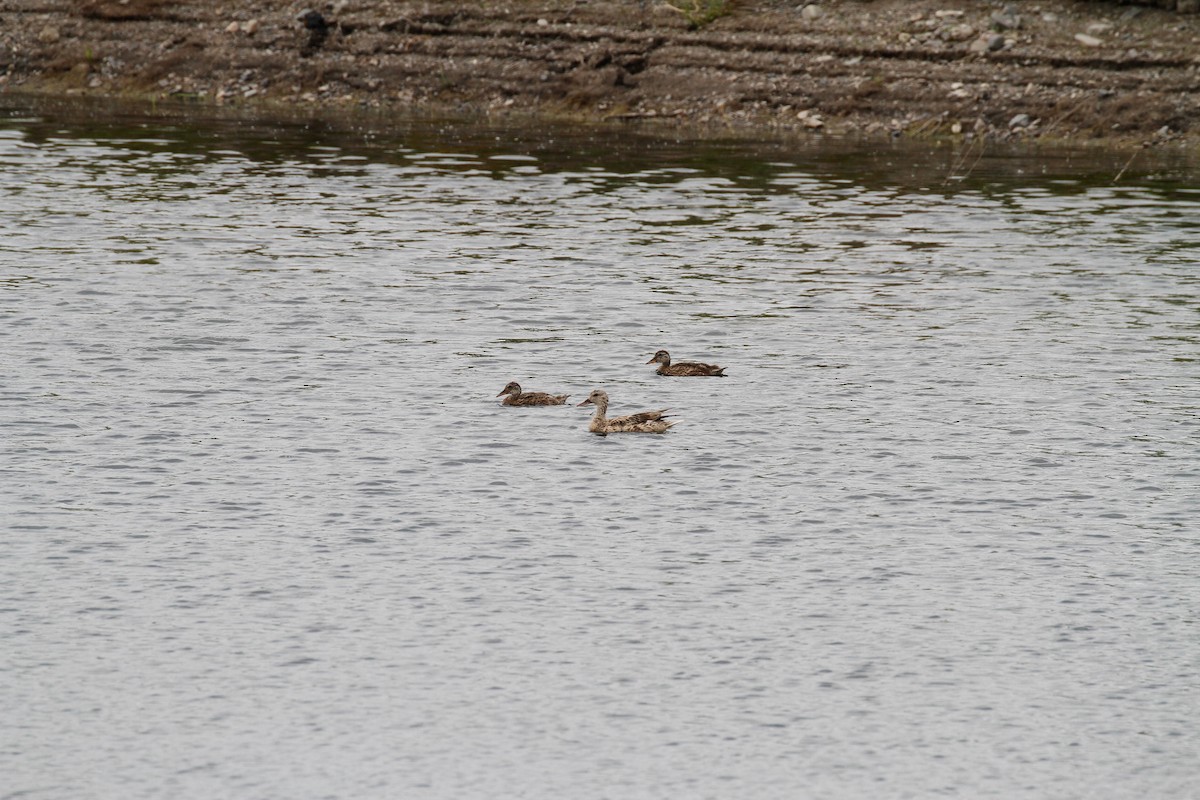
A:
(268, 533)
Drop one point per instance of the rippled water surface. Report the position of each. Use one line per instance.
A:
(267, 533)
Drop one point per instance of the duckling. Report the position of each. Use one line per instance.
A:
(516, 397)
(684, 368)
(643, 422)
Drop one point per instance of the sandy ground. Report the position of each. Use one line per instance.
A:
(1061, 70)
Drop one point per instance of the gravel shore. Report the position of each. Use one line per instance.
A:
(1061, 70)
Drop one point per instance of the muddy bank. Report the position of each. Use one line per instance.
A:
(1051, 70)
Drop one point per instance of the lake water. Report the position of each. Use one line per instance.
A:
(267, 533)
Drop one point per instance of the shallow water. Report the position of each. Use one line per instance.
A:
(267, 533)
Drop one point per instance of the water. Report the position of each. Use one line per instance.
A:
(268, 534)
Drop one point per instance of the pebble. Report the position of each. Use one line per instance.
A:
(958, 33)
(232, 27)
(810, 119)
(48, 35)
(1007, 19)
(1089, 41)
(987, 43)
(811, 11)
(250, 27)
(1020, 121)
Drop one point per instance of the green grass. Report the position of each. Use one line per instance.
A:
(699, 13)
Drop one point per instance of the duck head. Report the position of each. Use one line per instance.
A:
(661, 357)
(512, 388)
(597, 397)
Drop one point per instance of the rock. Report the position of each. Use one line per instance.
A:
(1099, 27)
(1089, 41)
(956, 127)
(811, 11)
(48, 35)
(1019, 121)
(1006, 20)
(232, 27)
(958, 33)
(250, 27)
(949, 13)
(986, 43)
(810, 119)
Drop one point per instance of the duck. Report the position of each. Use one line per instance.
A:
(517, 397)
(642, 422)
(684, 368)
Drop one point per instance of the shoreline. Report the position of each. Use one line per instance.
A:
(1061, 72)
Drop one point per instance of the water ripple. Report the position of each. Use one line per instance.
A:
(938, 521)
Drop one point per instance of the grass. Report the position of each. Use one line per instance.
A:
(699, 13)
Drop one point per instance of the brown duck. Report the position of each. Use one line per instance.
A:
(516, 397)
(684, 368)
(643, 422)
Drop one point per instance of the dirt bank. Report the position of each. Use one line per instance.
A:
(1058, 69)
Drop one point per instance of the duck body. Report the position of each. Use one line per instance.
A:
(514, 396)
(642, 422)
(684, 368)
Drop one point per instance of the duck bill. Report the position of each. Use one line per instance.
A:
(502, 394)
(653, 361)
(587, 402)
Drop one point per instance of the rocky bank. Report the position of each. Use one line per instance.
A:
(1055, 69)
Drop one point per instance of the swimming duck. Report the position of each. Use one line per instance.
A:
(516, 397)
(643, 422)
(684, 368)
